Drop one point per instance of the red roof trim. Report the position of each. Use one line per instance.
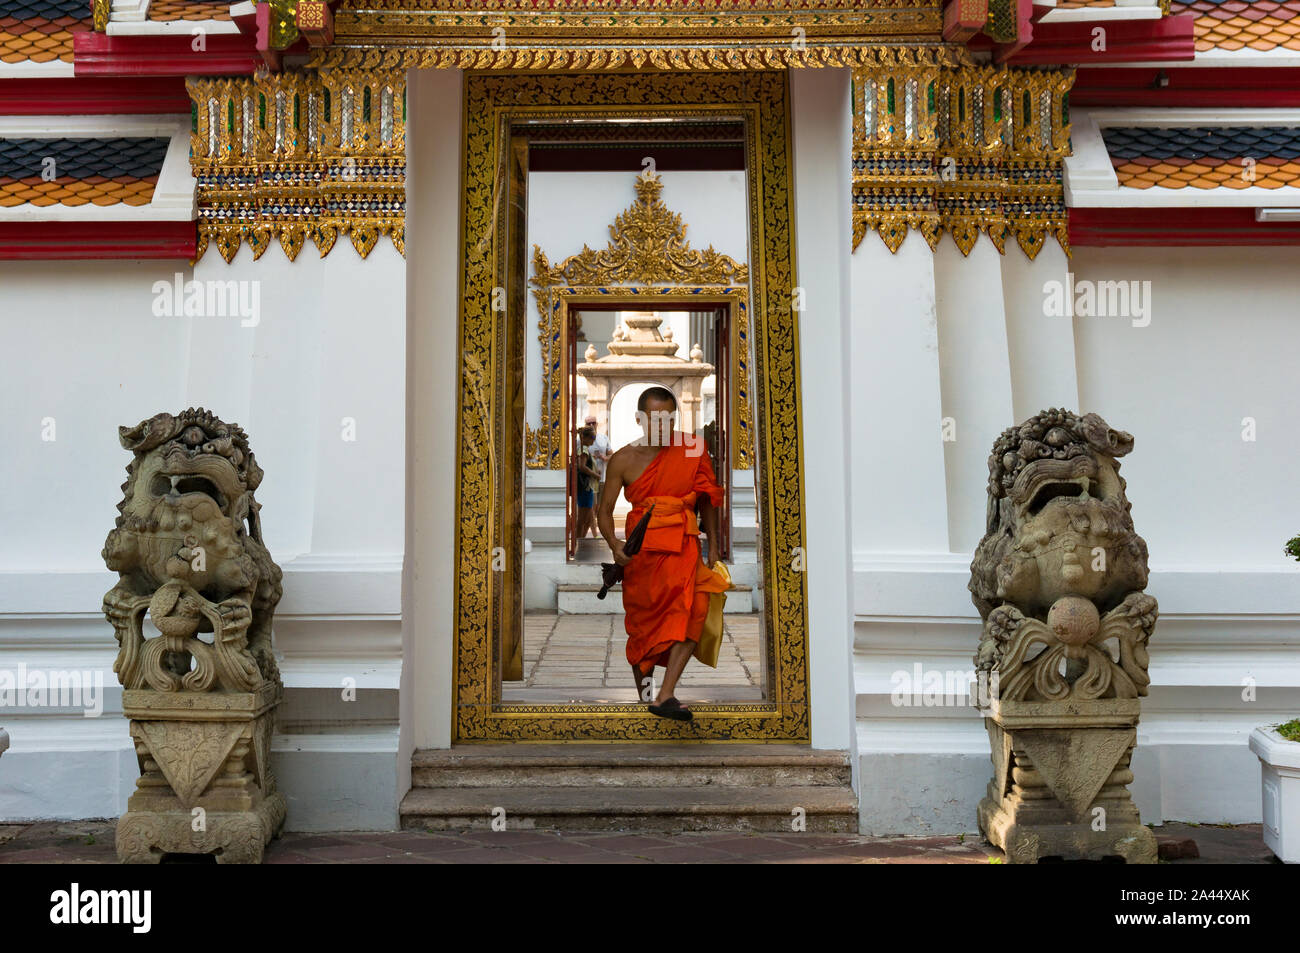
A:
(95, 96)
(1234, 86)
(1127, 41)
(1176, 227)
(226, 54)
(51, 241)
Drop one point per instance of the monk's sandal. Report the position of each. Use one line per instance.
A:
(672, 708)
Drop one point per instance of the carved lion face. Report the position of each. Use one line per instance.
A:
(189, 501)
(1059, 520)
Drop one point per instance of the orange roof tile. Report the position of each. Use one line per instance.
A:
(188, 10)
(1209, 174)
(33, 190)
(39, 40)
(1239, 24)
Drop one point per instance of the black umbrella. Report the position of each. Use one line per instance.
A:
(612, 573)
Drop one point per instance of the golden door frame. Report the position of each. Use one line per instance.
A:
(490, 450)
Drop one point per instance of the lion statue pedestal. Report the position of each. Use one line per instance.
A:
(188, 551)
(1058, 581)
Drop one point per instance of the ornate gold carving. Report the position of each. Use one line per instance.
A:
(299, 155)
(100, 12)
(492, 102)
(866, 37)
(575, 35)
(283, 23)
(964, 150)
(647, 247)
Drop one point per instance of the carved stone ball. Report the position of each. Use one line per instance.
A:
(1074, 619)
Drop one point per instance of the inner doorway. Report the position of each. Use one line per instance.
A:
(614, 354)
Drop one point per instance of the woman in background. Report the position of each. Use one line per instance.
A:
(587, 479)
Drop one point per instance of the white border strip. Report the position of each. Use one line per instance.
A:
(172, 28)
(1215, 58)
(1101, 14)
(127, 11)
(26, 69)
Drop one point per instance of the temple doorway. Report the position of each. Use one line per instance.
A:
(616, 259)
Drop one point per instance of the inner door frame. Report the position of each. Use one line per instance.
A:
(558, 304)
(490, 446)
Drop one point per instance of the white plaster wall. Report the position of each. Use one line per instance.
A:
(1221, 347)
(326, 341)
(821, 138)
(1214, 509)
(434, 100)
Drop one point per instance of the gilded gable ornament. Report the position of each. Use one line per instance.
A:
(647, 246)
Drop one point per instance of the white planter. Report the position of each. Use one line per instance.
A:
(1280, 777)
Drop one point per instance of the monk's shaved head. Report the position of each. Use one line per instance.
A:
(661, 394)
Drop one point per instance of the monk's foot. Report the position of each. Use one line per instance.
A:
(671, 708)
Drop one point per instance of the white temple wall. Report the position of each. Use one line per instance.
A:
(1214, 509)
(312, 357)
(433, 380)
(822, 137)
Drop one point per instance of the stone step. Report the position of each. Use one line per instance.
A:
(580, 599)
(824, 809)
(630, 766)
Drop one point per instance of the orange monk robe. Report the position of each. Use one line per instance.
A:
(666, 586)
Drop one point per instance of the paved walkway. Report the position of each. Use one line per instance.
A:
(91, 842)
(583, 658)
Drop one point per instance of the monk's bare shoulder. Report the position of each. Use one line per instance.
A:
(618, 462)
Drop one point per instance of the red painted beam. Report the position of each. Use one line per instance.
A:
(1176, 227)
(223, 54)
(1187, 86)
(82, 96)
(1123, 41)
(52, 241)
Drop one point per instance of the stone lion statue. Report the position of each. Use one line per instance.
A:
(1060, 565)
(188, 548)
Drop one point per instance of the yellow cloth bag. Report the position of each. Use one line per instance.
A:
(710, 643)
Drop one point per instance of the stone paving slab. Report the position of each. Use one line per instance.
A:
(91, 842)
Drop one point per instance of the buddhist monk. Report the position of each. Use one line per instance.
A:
(666, 585)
